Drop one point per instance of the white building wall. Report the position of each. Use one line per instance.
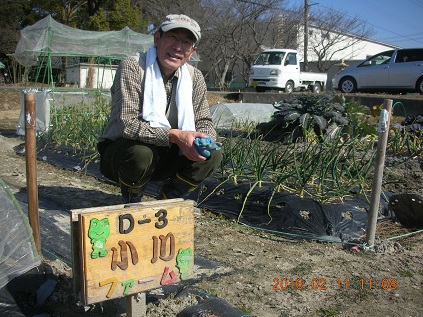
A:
(358, 50)
(103, 75)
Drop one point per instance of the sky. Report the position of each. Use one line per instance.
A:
(397, 22)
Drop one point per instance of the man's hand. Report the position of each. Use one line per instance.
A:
(185, 141)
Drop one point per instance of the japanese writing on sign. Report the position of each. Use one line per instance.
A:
(135, 248)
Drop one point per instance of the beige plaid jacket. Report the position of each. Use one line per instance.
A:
(127, 101)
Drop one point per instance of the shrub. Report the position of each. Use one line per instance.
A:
(308, 113)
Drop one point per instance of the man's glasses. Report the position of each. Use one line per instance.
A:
(186, 44)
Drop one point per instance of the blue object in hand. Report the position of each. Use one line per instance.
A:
(206, 145)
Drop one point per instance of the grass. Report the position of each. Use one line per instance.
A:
(302, 269)
(406, 273)
(328, 312)
(246, 309)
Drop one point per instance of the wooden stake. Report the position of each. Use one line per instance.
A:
(378, 173)
(31, 168)
(136, 305)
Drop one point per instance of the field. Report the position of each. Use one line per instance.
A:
(386, 280)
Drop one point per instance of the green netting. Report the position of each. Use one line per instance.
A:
(52, 48)
(47, 37)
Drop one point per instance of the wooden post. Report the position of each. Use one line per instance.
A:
(378, 173)
(136, 305)
(31, 168)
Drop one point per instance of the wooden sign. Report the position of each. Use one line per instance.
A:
(127, 249)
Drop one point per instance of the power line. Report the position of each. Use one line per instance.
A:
(404, 37)
(379, 10)
(414, 36)
(385, 13)
(417, 3)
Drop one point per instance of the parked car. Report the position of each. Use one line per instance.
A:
(280, 69)
(400, 70)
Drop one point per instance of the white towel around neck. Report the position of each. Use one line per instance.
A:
(154, 108)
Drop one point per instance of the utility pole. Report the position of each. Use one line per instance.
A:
(305, 34)
(306, 7)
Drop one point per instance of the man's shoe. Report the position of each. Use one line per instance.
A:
(177, 187)
(131, 194)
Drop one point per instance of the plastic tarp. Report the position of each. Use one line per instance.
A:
(42, 112)
(288, 215)
(408, 209)
(285, 213)
(17, 248)
(226, 114)
(49, 37)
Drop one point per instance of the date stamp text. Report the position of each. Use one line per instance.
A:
(323, 284)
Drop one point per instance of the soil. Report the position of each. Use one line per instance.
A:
(338, 278)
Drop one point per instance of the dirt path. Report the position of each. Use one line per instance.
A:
(272, 276)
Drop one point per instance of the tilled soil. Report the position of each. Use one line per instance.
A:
(271, 276)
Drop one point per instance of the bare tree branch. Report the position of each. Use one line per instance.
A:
(336, 34)
(235, 31)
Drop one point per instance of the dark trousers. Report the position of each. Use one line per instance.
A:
(135, 163)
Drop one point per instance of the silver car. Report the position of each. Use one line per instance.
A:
(399, 70)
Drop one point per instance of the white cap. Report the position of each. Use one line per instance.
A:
(174, 21)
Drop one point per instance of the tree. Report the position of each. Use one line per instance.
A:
(67, 12)
(8, 40)
(336, 34)
(112, 15)
(126, 14)
(84, 14)
(12, 13)
(94, 6)
(10, 23)
(234, 32)
(156, 11)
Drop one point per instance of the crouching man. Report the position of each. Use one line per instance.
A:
(160, 127)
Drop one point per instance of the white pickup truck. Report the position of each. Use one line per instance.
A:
(280, 69)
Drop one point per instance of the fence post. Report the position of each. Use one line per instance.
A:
(31, 168)
(383, 130)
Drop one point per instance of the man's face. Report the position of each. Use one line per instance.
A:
(174, 48)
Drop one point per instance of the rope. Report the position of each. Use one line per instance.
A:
(57, 257)
(403, 108)
(405, 235)
(366, 247)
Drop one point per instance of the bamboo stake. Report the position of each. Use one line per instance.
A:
(31, 168)
(378, 174)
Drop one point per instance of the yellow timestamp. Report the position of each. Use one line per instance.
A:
(322, 284)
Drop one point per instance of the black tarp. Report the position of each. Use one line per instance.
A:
(289, 215)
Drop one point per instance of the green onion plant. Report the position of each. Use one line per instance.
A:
(324, 164)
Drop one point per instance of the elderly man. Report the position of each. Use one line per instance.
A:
(160, 118)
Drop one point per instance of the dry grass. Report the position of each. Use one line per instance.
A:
(214, 98)
(388, 229)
